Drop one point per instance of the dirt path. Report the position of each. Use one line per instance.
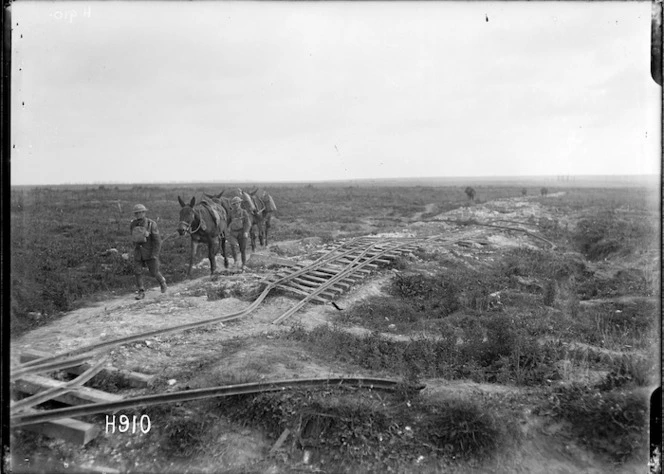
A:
(427, 210)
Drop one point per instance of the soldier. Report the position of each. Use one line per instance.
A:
(147, 245)
(238, 230)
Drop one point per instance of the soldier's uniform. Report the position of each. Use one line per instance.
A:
(238, 230)
(146, 249)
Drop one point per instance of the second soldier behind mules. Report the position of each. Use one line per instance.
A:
(238, 231)
(147, 245)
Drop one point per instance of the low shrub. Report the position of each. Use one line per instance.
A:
(461, 428)
(608, 233)
(377, 312)
(613, 423)
(541, 264)
(468, 349)
(549, 292)
(629, 281)
(615, 325)
(183, 432)
(446, 292)
(362, 426)
(629, 371)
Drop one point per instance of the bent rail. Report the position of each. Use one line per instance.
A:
(54, 392)
(199, 394)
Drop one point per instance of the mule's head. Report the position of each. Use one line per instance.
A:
(187, 215)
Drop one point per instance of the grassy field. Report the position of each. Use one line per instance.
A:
(59, 234)
(560, 339)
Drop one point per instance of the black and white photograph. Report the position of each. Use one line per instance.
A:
(334, 237)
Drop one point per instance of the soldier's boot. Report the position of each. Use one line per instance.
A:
(162, 284)
(140, 294)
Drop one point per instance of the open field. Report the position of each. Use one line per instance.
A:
(538, 347)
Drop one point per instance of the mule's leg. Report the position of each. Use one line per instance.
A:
(257, 229)
(194, 247)
(268, 218)
(223, 250)
(211, 255)
(261, 234)
(252, 234)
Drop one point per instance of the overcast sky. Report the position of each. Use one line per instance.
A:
(240, 91)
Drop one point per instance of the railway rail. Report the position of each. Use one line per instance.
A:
(22, 419)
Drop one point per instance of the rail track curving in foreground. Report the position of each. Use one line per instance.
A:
(319, 282)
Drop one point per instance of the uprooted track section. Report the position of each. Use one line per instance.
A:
(320, 282)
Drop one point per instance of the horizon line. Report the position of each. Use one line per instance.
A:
(570, 178)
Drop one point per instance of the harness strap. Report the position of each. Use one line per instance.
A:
(259, 208)
(188, 226)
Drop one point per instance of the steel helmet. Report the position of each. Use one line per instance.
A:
(139, 208)
(235, 199)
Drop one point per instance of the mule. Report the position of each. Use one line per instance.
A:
(263, 207)
(206, 223)
(226, 203)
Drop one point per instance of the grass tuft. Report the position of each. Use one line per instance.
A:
(613, 423)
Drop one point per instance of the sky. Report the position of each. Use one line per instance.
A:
(156, 92)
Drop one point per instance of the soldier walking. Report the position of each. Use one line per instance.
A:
(147, 245)
(238, 230)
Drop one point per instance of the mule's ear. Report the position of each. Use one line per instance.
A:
(182, 204)
(222, 192)
(252, 193)
(192, 202)
(219, 195)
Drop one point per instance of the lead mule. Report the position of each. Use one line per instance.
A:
(205, 223)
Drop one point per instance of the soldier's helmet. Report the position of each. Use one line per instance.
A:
(140, 208)
(235, 200)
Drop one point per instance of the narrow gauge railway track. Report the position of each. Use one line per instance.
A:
(342, 267)
(319, 282)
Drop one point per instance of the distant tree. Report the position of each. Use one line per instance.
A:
(524, 191)
(470, 192)
(544, 191)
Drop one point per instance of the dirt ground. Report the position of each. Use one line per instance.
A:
(247, 346)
